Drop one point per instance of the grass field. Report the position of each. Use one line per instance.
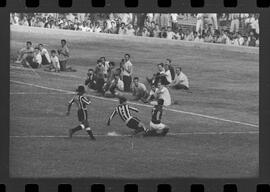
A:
(214, 129)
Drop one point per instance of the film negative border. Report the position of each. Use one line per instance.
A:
(260, 184)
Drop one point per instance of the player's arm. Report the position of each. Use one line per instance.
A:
(133, 109)
(69, 105)
(111, 117)
(86, 100)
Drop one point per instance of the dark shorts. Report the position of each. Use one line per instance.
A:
(83, 117)
(133, 123)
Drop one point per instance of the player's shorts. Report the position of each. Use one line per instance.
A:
(159, 126)
(134, 123)
(83, 117)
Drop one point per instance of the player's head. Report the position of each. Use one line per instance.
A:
(136, 81)
(28, 44)
(53, 53)
(122, 99)
(160, 102)
(80, 90)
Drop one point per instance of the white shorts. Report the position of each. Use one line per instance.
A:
(157, 126)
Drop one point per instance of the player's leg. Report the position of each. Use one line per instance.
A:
(134, 123)
(86, 125)
(79, 127)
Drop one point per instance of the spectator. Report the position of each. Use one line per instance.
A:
(180, 81)
(152, 96)
(168, 75)
(127, 73)
(110, 77)
(63, 53)
(90, 82)
(44, 54)
(171, 68)
(139, 90)
(55, 65)
(200, 23)
(37, 59)
(174, 17)
(117, 86)
(234, 23)
(130, 31)
(97, 28)
(25, 54)
(145, 32)
(159, 76)
(122, 29)
(113, 29)
(100, 79)
(156, 31)
(170, 34)
(163, 93)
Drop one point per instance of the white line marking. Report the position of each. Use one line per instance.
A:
(46, 72)
(126, 135)
(144, 105)
(36, 93)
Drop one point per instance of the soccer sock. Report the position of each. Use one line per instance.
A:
(90, 133)
(78, 128)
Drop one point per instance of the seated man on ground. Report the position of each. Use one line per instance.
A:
(37, 59)
(90, 82)
(116, 87)
(156, 127)
(168, 76)
(180, 81)
(162, 93)
(139, 90)
(152, 96)
(160, 76)
(25, 54)
(46, 60)
(55, 64)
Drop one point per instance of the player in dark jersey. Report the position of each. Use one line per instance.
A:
(156, 127)
(81, 101)
(123, 110)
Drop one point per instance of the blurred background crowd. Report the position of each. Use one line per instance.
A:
(231, 29)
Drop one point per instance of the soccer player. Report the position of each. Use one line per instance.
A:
(156, 127)
(123, 110)
(81, 102)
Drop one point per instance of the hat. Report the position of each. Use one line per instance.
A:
(80, 89)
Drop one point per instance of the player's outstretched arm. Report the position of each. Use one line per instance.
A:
(68, 110)
(133, 109)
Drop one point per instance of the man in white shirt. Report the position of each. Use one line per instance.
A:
(167, 75)
(44, 54)
(116, 86)
(199, 24)
(180, 81)
(163, 93)
(127, 72)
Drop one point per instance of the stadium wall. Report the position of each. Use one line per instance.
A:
(152, 40)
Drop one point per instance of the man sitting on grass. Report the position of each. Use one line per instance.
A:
(26, 55)
(117, 86)
(90, 82)
(139, 90)
(180, 81)
(46, 60)
(55, 64)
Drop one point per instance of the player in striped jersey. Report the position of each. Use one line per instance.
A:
(81, 101)
(156, 127)
(123, 110)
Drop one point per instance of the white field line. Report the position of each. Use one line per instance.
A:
(144, 105)
(37, 93)
(126, 135)
(46, 72)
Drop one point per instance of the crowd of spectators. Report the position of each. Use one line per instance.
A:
(211, 28)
